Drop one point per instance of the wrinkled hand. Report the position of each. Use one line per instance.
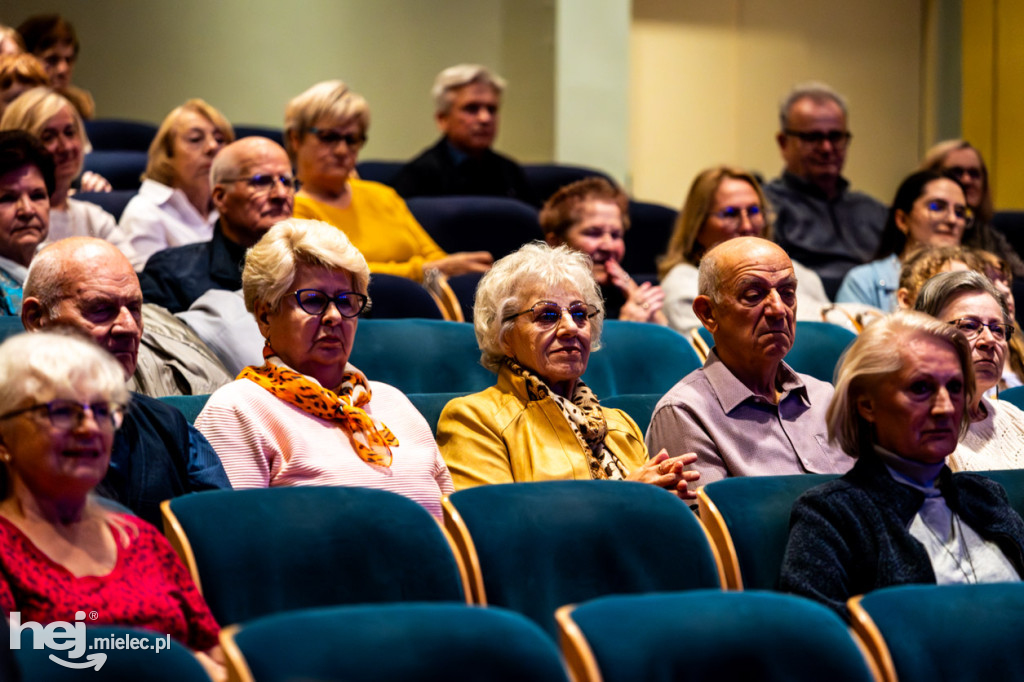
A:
(94, 182)
(462, 263)
(668, 473)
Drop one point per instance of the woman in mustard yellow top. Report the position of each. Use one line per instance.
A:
(537, 314)
(325, 127)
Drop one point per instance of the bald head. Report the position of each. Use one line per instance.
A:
(719, 261)
(86, 283)
(245, 181)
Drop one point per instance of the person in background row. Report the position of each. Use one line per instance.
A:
(26, 182)
(252, 189)
(52, 39)
(723, 202)
(929, 209)
(307, 416)
(62, 399)
(592, 215)
(819, 220)
(88, 284)
(900, 516)
(467, 106)
(924, 263)
(51, 118)
(19, 73)
(969, 302)
(325, 127)
(746, 412)
(10, 42)
(538, 313)
(174, 204)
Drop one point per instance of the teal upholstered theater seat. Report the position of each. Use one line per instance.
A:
(709, 635)
(639, 358)
(262, 551)
(393, 642)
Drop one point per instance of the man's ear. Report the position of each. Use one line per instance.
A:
(217, 195)
(866, 408)
(33, 317)
(780, 139)
(704, 309)
(442, 122)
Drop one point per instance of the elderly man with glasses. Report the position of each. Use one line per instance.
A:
(252, 188)
(819, 221)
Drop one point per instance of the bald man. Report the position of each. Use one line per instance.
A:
(88, 284)
(746, 412)
(252, 188)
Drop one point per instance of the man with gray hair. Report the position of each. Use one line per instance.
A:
(467, 101)
(746, 412)
(819, 221)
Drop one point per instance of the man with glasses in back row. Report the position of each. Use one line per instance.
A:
(819, 221)
(252, 188)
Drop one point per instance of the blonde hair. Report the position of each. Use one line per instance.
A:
(270, 266)
(161, 149)
(326, 99)
(876, 353)
(501, 292)
(33, 108)
(683, 246)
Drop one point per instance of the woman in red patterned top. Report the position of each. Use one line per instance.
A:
(61, 551)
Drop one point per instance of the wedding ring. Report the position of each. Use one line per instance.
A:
(645, 306)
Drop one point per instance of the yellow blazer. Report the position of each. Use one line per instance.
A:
(500, 436)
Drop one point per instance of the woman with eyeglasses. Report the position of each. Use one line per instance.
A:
(63, 550)
(537, 315)
(723, 202)
(174, 204)
(958, 159)
(929, 209)
(306, 416)
(969, 301)
(325, 127)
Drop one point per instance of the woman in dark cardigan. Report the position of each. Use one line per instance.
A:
(900, 515)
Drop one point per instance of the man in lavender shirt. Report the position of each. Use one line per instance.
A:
(746, 412)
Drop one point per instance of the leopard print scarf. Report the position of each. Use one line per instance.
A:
(584, 416)
(371, 439)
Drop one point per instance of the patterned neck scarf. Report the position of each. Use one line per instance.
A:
(371, 439)
(584, 415)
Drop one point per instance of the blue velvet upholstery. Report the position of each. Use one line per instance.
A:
(421, 356)
(188, 405)
(548, 178)
(115, 134)
(1012, 481)
(379, 171)
(647, 238)
(816, 349)
(123, 169)
(544, 544)
(176, 664)
(1014, 396)
(9, 326)
(711, 635)
(112, 202)
(269, 550)
(493, 224)
(431, 404)
(639, 406)
(422, 642)
(950, 632)
(397, 297)
(755, 510)
(275, 134)
(639, 358)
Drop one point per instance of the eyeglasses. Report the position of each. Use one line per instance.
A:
(960, 171)
(261, 183)
(733, 214)
(971, 328)
(67, 414)
(837, 138)
(331, 138)
(315, 302)
(547, 314)
(939, 209)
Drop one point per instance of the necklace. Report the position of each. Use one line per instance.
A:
(972, 576)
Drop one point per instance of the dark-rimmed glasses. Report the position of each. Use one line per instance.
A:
(315, 302)
(837, 138)
(261, 183)
(67, 414)
(331, 138)
(972, 326)
(547, 314)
